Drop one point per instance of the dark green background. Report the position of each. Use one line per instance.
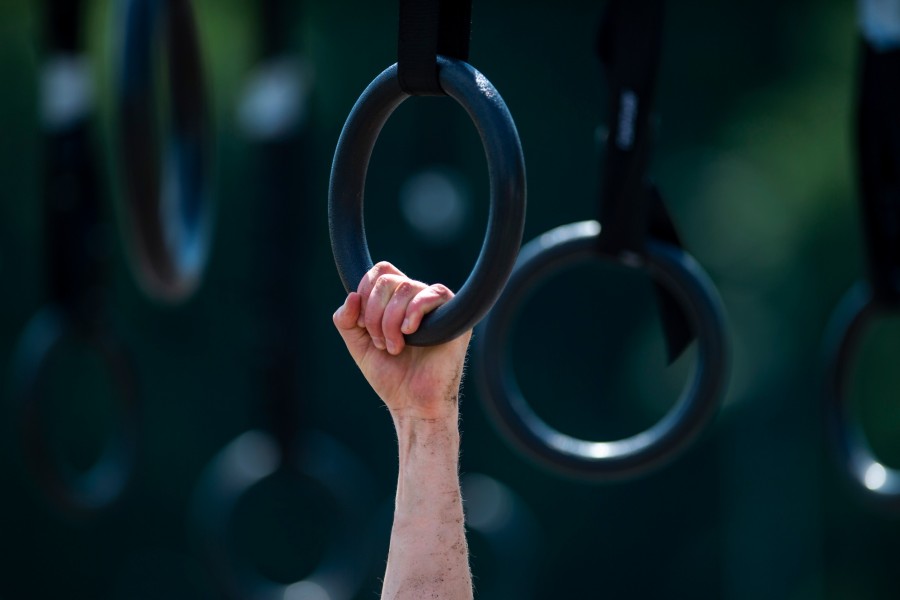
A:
(755, 160)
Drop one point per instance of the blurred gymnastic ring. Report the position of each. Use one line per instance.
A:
(167, 204)
(246, 462)
(688, 284)
(854, 312)
(506, 167)
(102, 484)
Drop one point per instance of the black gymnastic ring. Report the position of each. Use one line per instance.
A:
(167, 209)
(688, 284)
(237, 468)
(848, 440)
(105, 482)
(506, 167)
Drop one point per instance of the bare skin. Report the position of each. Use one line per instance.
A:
(428, 556)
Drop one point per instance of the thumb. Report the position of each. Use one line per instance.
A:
(345, 320)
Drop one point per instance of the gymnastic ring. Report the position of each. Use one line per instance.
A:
(506, 168)
(851, 448)
(688, 284)
(244, 463)
(104, 483)
(167, 210)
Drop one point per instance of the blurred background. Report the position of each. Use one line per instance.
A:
(234, 493)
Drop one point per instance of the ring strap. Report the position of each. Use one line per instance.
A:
(878, 139)
(676, 330)
(628, 45)
(63, 25)
(284, 230)
(631, 208)
(276, 20)
(428, 28)
(75, 247)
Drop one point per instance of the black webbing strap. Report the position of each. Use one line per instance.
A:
(72, 217)
(429, 28)
(677, 330)
(75, 254)
(878, 138)
(283, 229)
(629, 45)
(62, 25)
(276, 19)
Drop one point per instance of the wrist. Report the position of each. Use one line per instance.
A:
(428, 448)
(418, 427)
(435, 409)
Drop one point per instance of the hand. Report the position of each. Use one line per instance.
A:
(419, 382)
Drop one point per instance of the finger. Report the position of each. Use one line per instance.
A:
(395, 314)
(356, 338)
(378, 300)
(367, 283)
(423, 303)
(346, 315)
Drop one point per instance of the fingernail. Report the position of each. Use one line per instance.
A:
(379, 343)
(360, 322)
(405, 326)
(391, 348)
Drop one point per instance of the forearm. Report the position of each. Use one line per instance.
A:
(428, 556)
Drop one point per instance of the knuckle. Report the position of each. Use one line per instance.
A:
(370, 279)
(379, 282)
(442, 290)
(406, 288)
(384, 282)
(383, 267)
